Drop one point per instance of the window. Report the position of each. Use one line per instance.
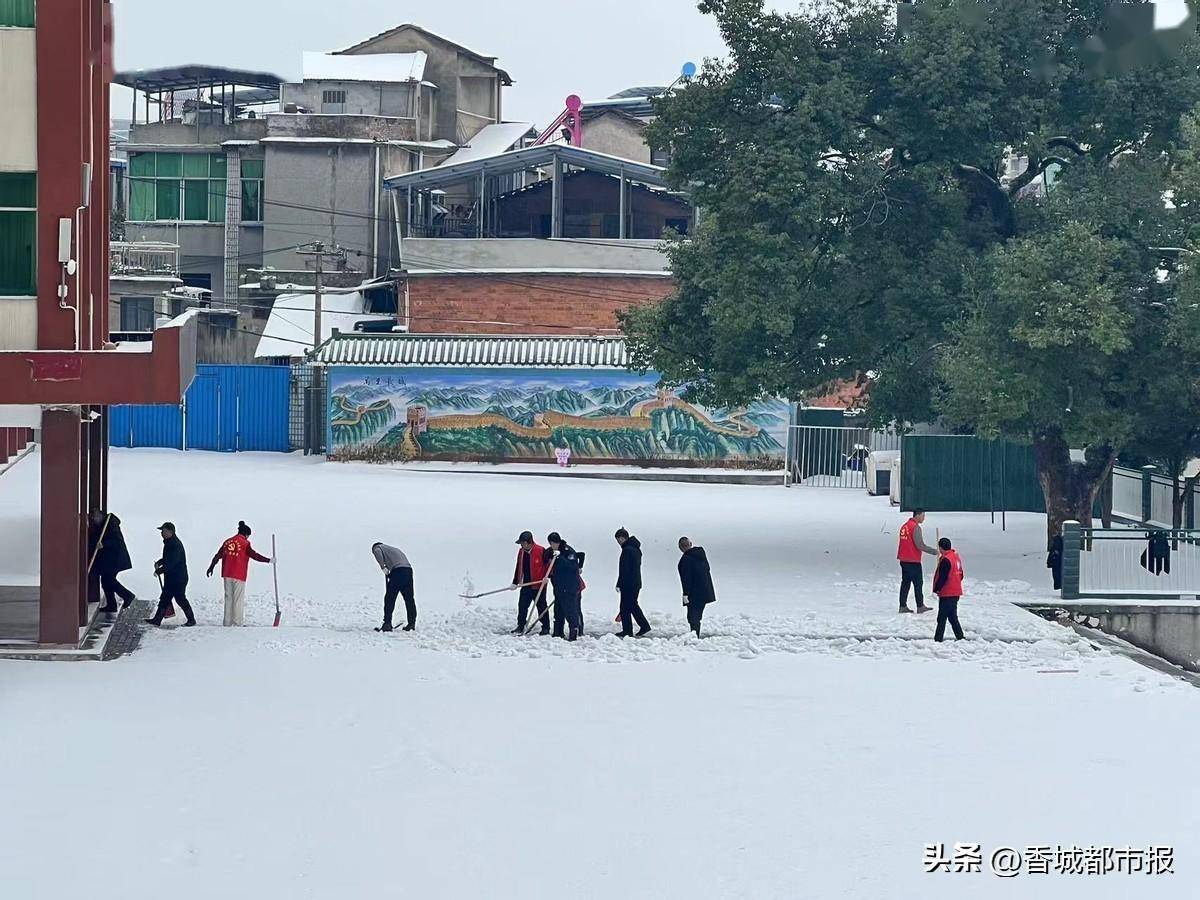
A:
(333, 101)
(137, 313)
(18, 13)
(253, 171)
(176, 187)
(18, 233)
(660, 157)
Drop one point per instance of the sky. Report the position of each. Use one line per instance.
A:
(593, 49)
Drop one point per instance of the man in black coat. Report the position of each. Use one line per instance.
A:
(564, 577)
(109, 557)
(629, 584)
(696, 581)
(173, 569)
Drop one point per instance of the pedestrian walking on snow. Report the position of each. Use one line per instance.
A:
(911, 546)
(629, 584)
(695, 578)
(172, 568)
(564, 576)
(948, 585)
(398, 575)
(110, 557)
(530, 577)
(234, 556)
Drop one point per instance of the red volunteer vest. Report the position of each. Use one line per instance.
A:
(908, 551)
(954, 581)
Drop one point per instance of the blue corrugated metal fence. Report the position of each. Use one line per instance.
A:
(227, 408)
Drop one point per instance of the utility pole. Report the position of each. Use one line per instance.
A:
(318, 252)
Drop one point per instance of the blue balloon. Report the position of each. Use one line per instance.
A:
(689, 70)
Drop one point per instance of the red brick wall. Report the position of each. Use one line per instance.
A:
(527, 304)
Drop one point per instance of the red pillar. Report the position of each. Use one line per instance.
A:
(62, 529)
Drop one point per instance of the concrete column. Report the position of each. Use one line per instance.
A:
(63, 538)
(623, 231)
(233, 224)
(1072, 535)
(556, 200)
(1147, 490)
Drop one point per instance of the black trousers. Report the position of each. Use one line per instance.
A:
(528, 595)
(113, 588)
(178, 594)
(567, 611)
(400, 582)
(695, 612)
(631, 611)
(911, 574)
(947, 612)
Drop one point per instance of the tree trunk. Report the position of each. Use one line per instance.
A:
(1069, 488)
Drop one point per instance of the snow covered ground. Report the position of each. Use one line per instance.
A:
(810, 746)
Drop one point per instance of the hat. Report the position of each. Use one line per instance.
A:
(525, 536)
(167, 526)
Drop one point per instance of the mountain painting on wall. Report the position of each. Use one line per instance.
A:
(473, 414)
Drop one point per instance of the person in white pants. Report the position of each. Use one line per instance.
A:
(235, 555)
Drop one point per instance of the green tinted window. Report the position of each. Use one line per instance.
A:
(216, 201)
(18, 232)
(195, 200)
(166, 205)
(251, 200)
(141, 201)
(195, 165)
(18, 189)
(216, 165)
(142, 164)
(170, 165)
(252, 168)
(17, 12)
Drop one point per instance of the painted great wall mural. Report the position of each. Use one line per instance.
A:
(410, 414)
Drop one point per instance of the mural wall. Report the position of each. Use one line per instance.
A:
(525, 414)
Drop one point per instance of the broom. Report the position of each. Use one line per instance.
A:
(275, 575)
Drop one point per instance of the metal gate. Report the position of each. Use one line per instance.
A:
(227, 408)
(830, 456)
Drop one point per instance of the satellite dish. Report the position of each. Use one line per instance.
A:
(574, 104)
(689, 70)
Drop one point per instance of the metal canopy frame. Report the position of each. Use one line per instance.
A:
(555, 157)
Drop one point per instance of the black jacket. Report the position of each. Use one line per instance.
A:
(565, 574)
(629, 569)
(173, 565)
(696, 578)
(113, 555)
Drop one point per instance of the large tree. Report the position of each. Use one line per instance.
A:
(859, 215)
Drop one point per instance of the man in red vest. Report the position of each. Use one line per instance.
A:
(528, 578)
(234, 556)
(912, 545)
(948, 585)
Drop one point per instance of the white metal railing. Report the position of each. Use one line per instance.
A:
(1117, 562)
(132, 259)
(1161, 509)
(833, 456)
(1127, 494)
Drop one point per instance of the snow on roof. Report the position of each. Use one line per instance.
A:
(289, 330)
(491, 140)
(387, 67)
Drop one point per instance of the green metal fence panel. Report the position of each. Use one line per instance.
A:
(950, 473)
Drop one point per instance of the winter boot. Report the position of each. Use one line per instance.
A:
(153, 621)
(128, 603)
(190, 623)
(409, 627)
(643, 631)
(923, 608)
(109, 608)
(905, 609)
(386, 626)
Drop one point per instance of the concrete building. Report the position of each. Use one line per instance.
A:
(242, 170)
(58, 373)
